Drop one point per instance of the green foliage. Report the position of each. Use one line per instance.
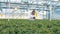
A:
(20, 26)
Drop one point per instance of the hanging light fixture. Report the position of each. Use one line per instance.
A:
(16, 8)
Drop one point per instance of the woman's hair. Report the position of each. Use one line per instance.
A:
(33, 12)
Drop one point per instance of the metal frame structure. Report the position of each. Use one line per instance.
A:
(43, 5)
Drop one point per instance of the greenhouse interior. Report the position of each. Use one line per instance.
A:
(21, 9)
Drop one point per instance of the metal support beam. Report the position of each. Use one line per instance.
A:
(51, 11)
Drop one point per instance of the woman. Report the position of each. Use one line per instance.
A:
(33, 14)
